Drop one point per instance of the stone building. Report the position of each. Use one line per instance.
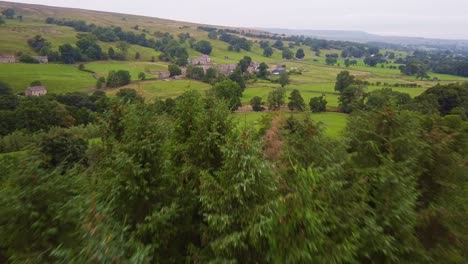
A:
(36, 91)
(7, 59)
(42, 59)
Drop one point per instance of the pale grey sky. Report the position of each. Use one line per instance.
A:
(419, 18)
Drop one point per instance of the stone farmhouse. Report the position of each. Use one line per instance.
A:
(202, 60)
(227, 69)
(164, 75)
(36, 91)
(42, 59)
(7, 59)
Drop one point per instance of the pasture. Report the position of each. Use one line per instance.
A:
(333, 123)
(58, 78)
(163, 88)
(151, 69)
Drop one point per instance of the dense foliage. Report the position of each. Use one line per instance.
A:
(179, 181)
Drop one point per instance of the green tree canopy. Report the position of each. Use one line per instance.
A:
(230, 92)
(343, 80)
(276, 99)
(296, 102)
(300, 54)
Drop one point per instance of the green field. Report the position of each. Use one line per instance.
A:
(164, 89)
(151, 69)
(57, 78)
(333, 123)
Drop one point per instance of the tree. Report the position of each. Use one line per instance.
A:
(422, 74)
(372, 60)
(9, 13)
(276, 99)
(262, 70)
(8, 100)
(384, 98)
(213, 35)
(236, 201)
(244, 64)
(230, 92)
(174, 70)
(347, 62)
(69, 54)
(111, 53)
(129, 96)
(204, 47)
(2, 21)
(385, 147)
(88, 47)
(343, 80)
(142, 76)
(39, 44)
(300, 54)
(283, 79)
(351, 98)
(257, 104)
(123, 47)
(296, 102)
(118, 78)
(26, 58)
(36, 83)
(267, 51)
(211, 75)
(237, 77)
(37, 227)
(318, 104)
(62, 148)
(100, 82)
(195, 73)
(287, 54)
(52, 114)
(279, 45)
(444, 98)
(331, 59)
(137, 55)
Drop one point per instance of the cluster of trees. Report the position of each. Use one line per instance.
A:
(287, 53)
(171, 49)
(203, 46)
(179, 181)
(331, 59)
(444, 62)
(277, 99)
(86, 49)
(9, 13)
(236, 43)
(32, 114)
(440, 99)
(105, 34)
(118, 78)
(267, 49)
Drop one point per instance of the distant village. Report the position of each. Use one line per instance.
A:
(205, 63)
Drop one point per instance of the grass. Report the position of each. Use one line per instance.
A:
(333, 123)
(151, 69)
(164, 89)
(57, 78)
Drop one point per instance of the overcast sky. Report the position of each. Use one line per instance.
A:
(423, 18)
